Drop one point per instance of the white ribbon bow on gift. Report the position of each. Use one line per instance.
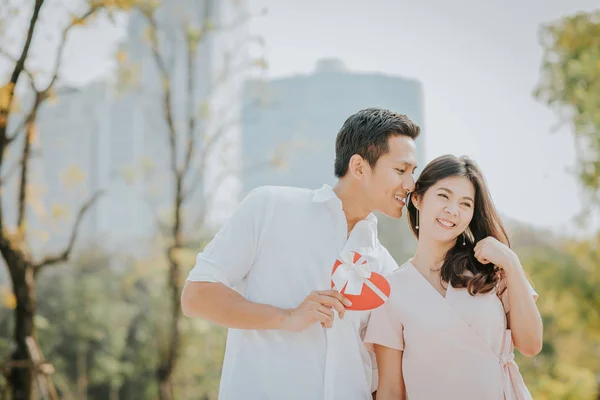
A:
(355, 274)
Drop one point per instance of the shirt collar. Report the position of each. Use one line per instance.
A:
(327, 195)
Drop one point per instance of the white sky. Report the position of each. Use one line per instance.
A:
(478, 61)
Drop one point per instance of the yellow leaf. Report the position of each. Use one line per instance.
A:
(148, 164)
(40, 322)
(44, 236)
(261, 63)
(194, 37)
(59, 210)
(166, 84)
(15, 106)
(52, 99)
(10, 231)
(278, 162)
(6, 92)
(205, 109)
(148, 34)
(76, 21)
(74, 175)
(35, 196)
(8, 298)
(209, 24)
(128, 77)
(121, 56)
(184, 257)
(33, 136)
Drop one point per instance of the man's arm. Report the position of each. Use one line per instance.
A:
(221, 305)
(227, 259)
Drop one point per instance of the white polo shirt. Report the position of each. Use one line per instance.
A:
(278, 247)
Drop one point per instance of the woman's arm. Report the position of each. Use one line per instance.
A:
(391, 382)
(524, 318)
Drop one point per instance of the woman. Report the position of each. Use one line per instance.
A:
(456, 308)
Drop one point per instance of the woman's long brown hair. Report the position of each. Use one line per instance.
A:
(460, 266)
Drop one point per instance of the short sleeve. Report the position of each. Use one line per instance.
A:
(229, 256)
(504, 294)
(384, 328)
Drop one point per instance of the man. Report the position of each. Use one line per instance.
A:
(267, 273)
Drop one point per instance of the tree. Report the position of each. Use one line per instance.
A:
(565, 273)
(22, 266)
(83, 324)
(101, 322)
(570, 85)
(194, 132)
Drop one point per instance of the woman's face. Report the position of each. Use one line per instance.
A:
(446, 209)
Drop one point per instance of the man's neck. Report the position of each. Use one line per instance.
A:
(352, 205)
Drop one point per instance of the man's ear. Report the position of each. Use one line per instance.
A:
(356, 166)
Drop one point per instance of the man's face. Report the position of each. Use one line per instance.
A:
(389, 181)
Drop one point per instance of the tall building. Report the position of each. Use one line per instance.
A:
(298, 118)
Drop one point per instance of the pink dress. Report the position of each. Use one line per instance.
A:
(455, 346)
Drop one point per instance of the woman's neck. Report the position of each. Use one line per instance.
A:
(430, 255)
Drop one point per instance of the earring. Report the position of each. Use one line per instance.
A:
(417, 226)
(464, 239)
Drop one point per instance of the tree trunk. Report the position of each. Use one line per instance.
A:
(166, 389)
(82, 375)
(21, 378)
(167, 364)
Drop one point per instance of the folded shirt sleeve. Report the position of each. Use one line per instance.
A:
(229, 256)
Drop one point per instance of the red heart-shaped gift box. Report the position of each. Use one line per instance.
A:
(375, 290)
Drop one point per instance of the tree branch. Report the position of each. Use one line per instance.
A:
(63, 41)
(14, 60)
(42, 96)
(254, 167)
(5, 108)
(231, 25)
(19, 67)
(191, 89)
(201, 218)
(207, 146)
(18, 129)
(64, 255)
(161, 226)
(11, 171)
(172, 40)
(166, 85)
(30, 128)
(31, 116)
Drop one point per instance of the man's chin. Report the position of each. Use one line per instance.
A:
(393, 213)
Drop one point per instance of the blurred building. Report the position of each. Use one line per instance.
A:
(108, 137)
(297, 118)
